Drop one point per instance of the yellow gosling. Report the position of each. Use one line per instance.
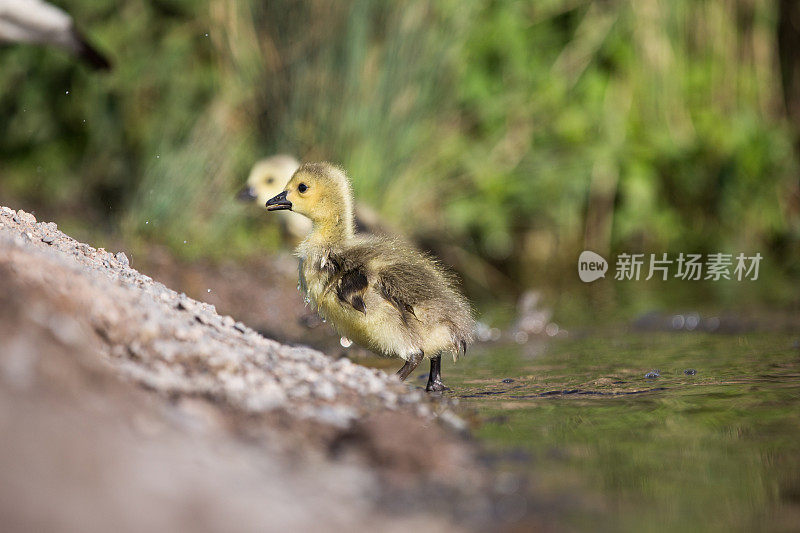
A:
(378, 291)
(266, 179)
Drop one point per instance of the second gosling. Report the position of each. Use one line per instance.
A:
(379, 292)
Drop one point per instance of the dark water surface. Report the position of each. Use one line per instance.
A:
(712, 443)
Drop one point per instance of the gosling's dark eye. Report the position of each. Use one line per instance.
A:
(270, 180)
(302, 187)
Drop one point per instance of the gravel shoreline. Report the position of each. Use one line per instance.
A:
(126, 404)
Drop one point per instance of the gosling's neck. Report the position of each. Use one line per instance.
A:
(331, 231)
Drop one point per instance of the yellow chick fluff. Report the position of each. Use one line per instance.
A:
(378, 291)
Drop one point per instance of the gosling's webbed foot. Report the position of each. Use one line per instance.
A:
(435, 383)
(436, 386)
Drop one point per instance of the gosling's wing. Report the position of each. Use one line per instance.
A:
(399, 276)
(347, 278)
(351, 288)
(405, 286)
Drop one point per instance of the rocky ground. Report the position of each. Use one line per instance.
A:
(126, 406)
(260, 291)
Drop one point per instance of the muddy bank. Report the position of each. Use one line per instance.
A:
(125, 405)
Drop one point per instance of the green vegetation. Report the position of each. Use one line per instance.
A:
(523, 132)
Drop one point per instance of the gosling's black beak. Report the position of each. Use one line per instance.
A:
(279, 202)
(247, 194)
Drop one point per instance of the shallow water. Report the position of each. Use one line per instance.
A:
(716, 450)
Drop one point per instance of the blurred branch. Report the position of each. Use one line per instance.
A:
(789, 56)
(589, 37)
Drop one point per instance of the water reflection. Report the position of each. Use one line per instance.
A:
(710, 442)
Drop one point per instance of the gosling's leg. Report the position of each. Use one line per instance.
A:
(435, 377)
(412, 363)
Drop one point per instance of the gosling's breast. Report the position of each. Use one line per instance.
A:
(312, 279)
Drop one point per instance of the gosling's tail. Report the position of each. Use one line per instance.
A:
(460, 345)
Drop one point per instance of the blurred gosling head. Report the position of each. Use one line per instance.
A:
(267, 178)
(321, 192)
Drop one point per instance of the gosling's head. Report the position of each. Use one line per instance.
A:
(320, 191)
(267, 178)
